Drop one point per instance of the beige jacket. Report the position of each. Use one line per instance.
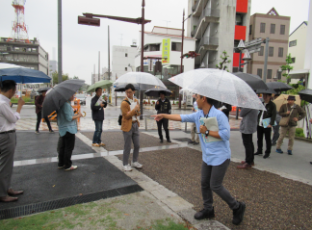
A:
(126, 122)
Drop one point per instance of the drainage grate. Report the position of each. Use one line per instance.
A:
(65, 202)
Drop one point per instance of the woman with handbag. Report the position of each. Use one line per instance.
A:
(291, 113)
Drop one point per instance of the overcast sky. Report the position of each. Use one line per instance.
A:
(81, 44)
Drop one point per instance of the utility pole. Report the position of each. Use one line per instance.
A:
(266, 59)
(108, 55)
(181, 67)
(142, 56)
(99, 71)
(59, 23)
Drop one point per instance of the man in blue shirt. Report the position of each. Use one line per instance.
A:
(216, 157)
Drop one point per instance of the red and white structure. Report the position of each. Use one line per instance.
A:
(19, 28)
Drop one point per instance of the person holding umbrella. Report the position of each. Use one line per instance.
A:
(216, 156)
(8, 139)
(97, 108)
(38, 103)
(163, 105)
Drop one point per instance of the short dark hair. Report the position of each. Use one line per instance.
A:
(210, 100)
(162, 92)
(7, 85)
(96, 89)
(130, 86)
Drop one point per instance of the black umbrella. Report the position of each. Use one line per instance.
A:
(57, 96)
(306, 95)
(266, 91)
(154, 92)
(44, 89)
(279, 86)
(254, 81)
(121, 88)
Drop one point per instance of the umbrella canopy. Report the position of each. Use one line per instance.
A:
(144, 80)
(43, 89)
(279, 86)
(102, 84)
(219, 85)
(306, 95)
(267, 91)
(181, 91)
(154, 92)
(254, 81)
(21, 74)
(57, 96)
(282, 99)
(121, 87)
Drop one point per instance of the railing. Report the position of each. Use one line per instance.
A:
(208, 12)
(213, 41)
(195, 5)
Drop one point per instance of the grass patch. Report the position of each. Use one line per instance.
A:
(14, 100)
(169, 225)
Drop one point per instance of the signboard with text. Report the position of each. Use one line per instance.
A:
(166, 47)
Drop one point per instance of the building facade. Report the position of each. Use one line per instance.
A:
(276, 28)
(218, 26)
(163, 45)
(30, 55)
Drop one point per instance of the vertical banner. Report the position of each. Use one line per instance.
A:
(166, 47)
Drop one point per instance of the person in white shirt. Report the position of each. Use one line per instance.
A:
(8, 139)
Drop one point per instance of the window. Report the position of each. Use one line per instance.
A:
(269, 74)
(280, 52)
(126, 69)
(279, 75)
(282, 30)
(293, 60)
(259, 72)
(262, 27)
(271, 51)
(126, 55)
(176, 46)
(272, 30)
(293, 43)
(250, 29)
(261, 51)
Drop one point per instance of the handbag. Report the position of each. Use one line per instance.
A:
(120, 116)
(285, 120)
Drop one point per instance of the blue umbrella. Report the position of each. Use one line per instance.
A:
(23, 75)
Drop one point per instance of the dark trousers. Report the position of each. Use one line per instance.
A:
(164, 123)
(66, 146)
(275, 134)
(98, 132)
(249, 148)
(211, 180)
(39, 120)
(267, 136)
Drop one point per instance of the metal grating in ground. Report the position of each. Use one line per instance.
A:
(65, 202)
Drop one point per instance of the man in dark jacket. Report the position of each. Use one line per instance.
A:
(163, 105)
(261, 129)
(97, 108)
(38, 104)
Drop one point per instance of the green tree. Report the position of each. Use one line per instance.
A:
(55, 77)
(222, 65)
(75, 77)
(287, 68)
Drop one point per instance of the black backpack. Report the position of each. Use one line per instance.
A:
(120, 116)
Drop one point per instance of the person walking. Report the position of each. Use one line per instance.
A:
(130, 110)
(97, 108)
(294, 113)
(216, 157)
(194, 135)
(38, 103)
(276, 127)
(67, 123)
(163, 105)
(248, 126)
(266, 131)
(8, 120)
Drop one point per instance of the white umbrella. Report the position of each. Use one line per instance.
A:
(219, 85)
(4, 65)
(145, 80)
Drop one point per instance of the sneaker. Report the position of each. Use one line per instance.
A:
(252, 164)
(37, 132)
(102, 144)
(127, 168)
(266, 156)
(204, 214)
(136, 165)
(289, 152)
(279, 151)
(51, 131)
(257, 153)
(95, 145)
(169, 141)
(238, 214)
(73, 167)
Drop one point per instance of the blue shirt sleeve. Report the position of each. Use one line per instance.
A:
(224, 127)
(189, 117)
(68, 112)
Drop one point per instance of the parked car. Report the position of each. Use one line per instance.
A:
(82, 98)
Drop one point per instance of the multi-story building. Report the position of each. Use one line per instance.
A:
(164, 45)
(276, 28)
(30, 55)
(53, 66)
(218, 26)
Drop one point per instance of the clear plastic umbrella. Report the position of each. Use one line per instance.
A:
(219, 85)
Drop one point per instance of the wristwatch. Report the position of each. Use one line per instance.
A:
(207, 133)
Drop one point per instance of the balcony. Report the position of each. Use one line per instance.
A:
(198, 7)
(194, 7)
(207, 16)
(242, 6)
(208, 43)
(240, 33)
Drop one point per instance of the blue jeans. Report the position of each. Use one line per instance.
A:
(97, 132)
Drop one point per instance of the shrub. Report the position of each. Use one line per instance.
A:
(299, 132)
